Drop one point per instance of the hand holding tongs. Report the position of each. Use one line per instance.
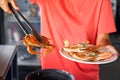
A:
(35, 33)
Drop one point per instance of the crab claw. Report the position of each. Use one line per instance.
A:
(31, 51)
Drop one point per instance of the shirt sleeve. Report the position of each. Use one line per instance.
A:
(106, 22)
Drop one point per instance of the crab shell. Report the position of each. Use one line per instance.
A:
(31, 40)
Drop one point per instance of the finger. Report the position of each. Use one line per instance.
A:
(9, 11)
(14, 5)
(5, 7)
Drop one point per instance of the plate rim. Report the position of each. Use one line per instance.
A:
(115, 57)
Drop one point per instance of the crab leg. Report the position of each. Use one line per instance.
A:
(31, 51)
(48, 49)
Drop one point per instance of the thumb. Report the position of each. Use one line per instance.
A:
(5, 7)
(14, 4)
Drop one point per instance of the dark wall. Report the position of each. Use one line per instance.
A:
(110, 71)
(2, 38)
(118, 17)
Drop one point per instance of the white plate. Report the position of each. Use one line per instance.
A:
(109, 60)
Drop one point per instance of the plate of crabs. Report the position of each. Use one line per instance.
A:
(89, 54)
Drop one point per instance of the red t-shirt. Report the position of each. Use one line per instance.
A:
(76, 21)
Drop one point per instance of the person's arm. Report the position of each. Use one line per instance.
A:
(5, 7)
(103, 39)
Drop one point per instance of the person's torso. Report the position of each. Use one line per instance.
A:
(70, 19)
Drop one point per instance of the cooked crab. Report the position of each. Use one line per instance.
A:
(80, 47)
(30, 42)
(87, 52)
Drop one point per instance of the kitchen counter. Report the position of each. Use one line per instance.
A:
(33, 61)
(26, 59)
(7, 53)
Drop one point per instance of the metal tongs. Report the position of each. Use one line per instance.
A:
(15, 13)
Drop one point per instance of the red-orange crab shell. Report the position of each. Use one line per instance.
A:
(30, 42)
(30, 39)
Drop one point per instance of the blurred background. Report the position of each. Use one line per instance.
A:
(10, 33)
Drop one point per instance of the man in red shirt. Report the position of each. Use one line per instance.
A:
(76, 21)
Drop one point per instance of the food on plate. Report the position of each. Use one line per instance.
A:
(87, 52)
(91, 56)
(77, 47)
(30, 42)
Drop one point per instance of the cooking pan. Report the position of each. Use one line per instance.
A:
(49, 74)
